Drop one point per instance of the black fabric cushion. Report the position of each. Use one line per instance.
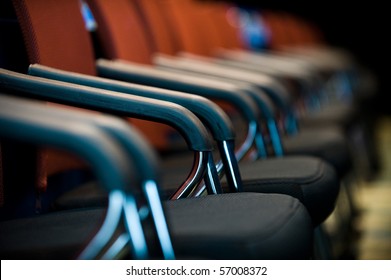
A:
(240, 226)
(229, 226)
(309, 179)
(328, 143)
(85, 195)
(59, 235)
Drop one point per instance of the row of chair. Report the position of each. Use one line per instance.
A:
(259, 170)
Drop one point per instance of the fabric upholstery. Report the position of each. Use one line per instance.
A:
(156, 21)
(46, 32)
(134, 47)
(312, 181)
(53, 236)
(55, 36)
(327, 142)
(51, 39)
(229, 226)
(240, 226)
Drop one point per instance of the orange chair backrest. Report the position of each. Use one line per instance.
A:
(120, 31)
(55, 35)
(158, 25)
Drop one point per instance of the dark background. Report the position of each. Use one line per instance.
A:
(362, 27)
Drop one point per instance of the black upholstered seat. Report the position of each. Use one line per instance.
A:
(311, 180)
(220, 226)
(327, 143)
(211, 227)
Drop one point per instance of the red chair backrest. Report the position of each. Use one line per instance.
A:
(289, 30)
(122, 35)
(55, 35)
(51, 39)
(52, 34)
(197, 27)
(120, 31)
(159, 26)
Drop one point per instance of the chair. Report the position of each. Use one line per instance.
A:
(68, 234)
(327, 176)
(198, 226)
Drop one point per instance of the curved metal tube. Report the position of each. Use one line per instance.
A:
(113, 216)
(211, 178)
(151, 189)
(248, 142)
(275, 137)
(156, 210)
(114, 252)
(134, 228)
(195, 176)
(230, 165)
(226, 152)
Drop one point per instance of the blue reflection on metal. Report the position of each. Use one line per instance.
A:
(135, 229)
(117, 247)
(275, 137)
(108, 228)
(155, 205)
(230, 165)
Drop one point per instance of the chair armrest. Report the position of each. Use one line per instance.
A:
(141, 74)
(275, 90)
(114, 167)
(145, 160)
(108, 161)
(116, 103)
(177, 116)
(142, 173)
(210, 114)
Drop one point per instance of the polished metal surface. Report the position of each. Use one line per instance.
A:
(195, 176)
